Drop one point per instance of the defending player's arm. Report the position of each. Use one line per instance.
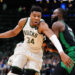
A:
(49, 33)
(15, 31)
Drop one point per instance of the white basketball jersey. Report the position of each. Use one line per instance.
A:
(32, 38)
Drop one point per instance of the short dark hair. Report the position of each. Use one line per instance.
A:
(36, 8)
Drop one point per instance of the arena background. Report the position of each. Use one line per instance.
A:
(13, 10)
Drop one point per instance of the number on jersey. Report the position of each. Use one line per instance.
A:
(30, 40)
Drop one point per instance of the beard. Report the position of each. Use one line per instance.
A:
(54, 19)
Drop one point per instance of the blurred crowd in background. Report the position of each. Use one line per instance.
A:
(12, 10)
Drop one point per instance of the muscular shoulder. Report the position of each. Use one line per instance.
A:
(22, 21)
(58, 26)
(43, 26)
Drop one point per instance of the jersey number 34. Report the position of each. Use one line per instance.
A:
(30, 40)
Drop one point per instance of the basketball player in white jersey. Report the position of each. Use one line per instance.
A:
(30, 52)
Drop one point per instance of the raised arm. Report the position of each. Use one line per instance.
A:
(49, 33)
(15, 31)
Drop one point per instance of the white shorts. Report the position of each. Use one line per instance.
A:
(10, 60)
(12, 57)
(24, 58)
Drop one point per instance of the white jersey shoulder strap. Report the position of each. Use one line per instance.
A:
(27, 22)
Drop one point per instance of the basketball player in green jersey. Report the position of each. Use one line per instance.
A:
(67, 39)
(30, 52)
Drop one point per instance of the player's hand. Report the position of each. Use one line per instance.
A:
(66, 60)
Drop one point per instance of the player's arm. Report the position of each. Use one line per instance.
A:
(60, 27)
(50, 34)
(15, 31)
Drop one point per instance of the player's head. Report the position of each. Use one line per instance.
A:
(35, 14)
(58, 14)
